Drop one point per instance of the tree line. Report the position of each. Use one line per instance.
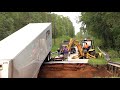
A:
(103, 27)
(13, 21)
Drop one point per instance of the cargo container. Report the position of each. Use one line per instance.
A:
(23, 52)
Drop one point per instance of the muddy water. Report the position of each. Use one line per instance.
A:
(72, 71)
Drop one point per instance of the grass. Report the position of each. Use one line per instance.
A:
(58, 41)
(115, 60)
(97, 61)
(54, 48)
(113, 53)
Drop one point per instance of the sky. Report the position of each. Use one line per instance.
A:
(73, 17)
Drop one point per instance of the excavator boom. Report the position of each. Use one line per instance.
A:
(76, 43)
(80, 49)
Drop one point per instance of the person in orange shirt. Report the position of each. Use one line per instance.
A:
(86, 46)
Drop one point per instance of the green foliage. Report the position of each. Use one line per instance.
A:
(104, 27)
(97, 42)
(115, 60)
(78, 35)
(13, 21)
(98, 61)
(58, 42)
(113, 54)
(54, 47)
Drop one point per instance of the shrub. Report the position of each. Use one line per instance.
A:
(113, 54)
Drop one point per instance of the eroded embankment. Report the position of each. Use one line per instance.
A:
(72, 71)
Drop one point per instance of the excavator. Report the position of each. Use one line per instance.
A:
(81, 52)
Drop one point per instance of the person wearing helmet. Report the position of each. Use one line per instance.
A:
(86, 46)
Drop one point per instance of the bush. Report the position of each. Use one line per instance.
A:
(113, 54)
(115, 60)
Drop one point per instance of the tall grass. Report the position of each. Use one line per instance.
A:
(97, 61)
(113, 53)
(115, 60)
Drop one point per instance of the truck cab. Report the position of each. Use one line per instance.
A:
(92, 53)
(89, 42)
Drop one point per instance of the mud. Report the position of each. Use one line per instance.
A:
(72, 71)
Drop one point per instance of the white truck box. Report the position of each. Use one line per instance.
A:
(23, 52)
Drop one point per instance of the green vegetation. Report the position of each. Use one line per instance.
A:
(58, 42)
(98, 61)
(62, 27)
(116, 60)
(54, 55)
(54, 48)
(13, 21)
(103, 28)
(113, 53)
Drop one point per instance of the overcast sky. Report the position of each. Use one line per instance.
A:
(73, 17)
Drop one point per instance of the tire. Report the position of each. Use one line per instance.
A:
(92, 53)
(96, 55)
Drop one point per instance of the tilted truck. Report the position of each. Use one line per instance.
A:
(23, 52)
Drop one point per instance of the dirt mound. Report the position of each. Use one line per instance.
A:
(72, 71)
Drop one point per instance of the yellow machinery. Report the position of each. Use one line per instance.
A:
(76, 43)
(89, 54)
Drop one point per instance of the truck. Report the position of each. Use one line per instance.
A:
(23, 52)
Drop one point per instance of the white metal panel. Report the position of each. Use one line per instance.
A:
(27, 63)
(15, 43)
(6, 69)
(28, 48)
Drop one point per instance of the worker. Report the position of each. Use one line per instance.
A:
(86, 46)
(61, 50)
(65, 52)
(58, 51)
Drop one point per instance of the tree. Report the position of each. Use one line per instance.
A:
(103, 26)
(13, 21)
